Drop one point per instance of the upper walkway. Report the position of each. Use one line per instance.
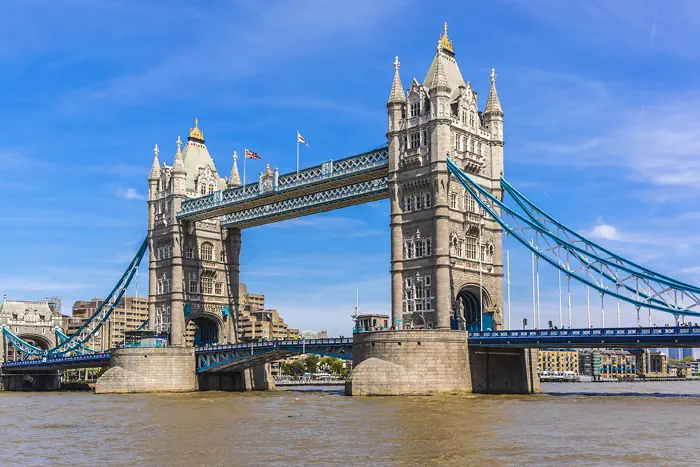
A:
(273, 197)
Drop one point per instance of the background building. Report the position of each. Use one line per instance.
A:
(368, 322)
(604, 363)
(128, 315)
(558, 361)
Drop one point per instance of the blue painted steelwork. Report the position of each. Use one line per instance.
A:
(335, 198)
(91, 325)
(541, 217)
(224, 357)
(81, 350)
(76, 361)
(334, 173)
(601, 274)
(640, 337)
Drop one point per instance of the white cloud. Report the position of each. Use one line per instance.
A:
(605, 232)
(129, 193)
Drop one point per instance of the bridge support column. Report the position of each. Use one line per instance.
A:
(257, 378)
(49, 381)
(409, 362)
(504, 370)
(233, 267)
(149, 369)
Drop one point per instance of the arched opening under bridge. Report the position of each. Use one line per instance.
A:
(471, 309)
(37, 340)
(204, 331)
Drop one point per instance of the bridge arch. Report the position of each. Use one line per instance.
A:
(472, 304)
(204, 328)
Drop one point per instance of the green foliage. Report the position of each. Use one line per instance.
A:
(296, 368)
(312, 363)
(334, 366)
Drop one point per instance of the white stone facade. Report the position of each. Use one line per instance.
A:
(446, 255)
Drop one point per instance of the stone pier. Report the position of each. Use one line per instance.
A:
(39, 381)
(428, 362)
(149, 369)
(257, 378)
(504, 371)
(409, 362)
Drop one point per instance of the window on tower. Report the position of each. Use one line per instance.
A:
(415, 140)
(207, 251)
(189, 252)
(415, 109)
(207, 285)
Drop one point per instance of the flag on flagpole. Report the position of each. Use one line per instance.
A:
(251, 155)
(300, 139)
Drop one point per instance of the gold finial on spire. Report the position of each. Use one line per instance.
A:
(444, 43)
(196, 133)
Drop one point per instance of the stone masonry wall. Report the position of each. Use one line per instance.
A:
(170, 369)
(409, 362)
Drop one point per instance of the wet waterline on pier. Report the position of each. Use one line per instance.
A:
(570, 424)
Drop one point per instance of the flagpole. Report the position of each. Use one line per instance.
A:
(245, 159)
(297, 154)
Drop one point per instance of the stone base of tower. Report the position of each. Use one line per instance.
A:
(257, 378)
(504, 371)
(144, 369)
(409, 362)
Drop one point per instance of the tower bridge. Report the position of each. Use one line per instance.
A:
(442, 171)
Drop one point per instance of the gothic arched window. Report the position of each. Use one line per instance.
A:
(206, 251)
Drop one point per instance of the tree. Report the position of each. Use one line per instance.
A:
(295, 368)
(312, 363)
(333, 365)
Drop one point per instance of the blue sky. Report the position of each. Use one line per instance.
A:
(602, 128)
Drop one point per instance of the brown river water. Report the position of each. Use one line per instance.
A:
(606, 424)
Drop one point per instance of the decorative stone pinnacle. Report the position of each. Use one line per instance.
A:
(235, 156)
(179, 143)
(156, 151)
(396, 63)
(493, 75)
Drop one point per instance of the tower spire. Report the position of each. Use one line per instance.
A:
(234, 179)
(493, 104)
(439, 79)
(155, 168)
(397, 95)
(179, 162)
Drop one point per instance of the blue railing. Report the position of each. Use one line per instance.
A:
(601, 337)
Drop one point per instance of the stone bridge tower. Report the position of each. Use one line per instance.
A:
(446, 257)
(192, 265)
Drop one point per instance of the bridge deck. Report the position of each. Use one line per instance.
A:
(234, 357)
(640, 337)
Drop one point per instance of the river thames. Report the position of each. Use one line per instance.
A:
(569, 424)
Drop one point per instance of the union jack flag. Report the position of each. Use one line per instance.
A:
(251, 155)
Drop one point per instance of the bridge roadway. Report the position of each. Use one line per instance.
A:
(234, 357)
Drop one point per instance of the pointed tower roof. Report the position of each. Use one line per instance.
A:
(440, 82)
(445, 54)
(397, 95)
(179, 162)
(493, 104)
(234, 179)
(155, 168)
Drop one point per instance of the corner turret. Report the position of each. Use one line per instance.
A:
(234, 180)
(493, 113)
